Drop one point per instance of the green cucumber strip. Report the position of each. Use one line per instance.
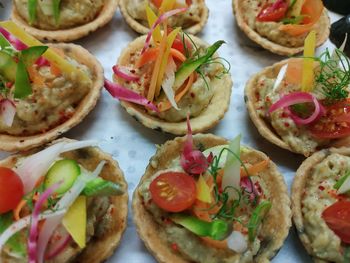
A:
(65, 171)
(255, 220)
(217, 229)
(339, 183)
(56, 10)
(32, 4)
(101, 187)
(15, 243)
(3, 42)
(22, 82)
(30, 55)
(7, 66)
(191, 64)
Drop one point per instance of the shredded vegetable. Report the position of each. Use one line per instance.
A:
(125, 73)
(7, 111)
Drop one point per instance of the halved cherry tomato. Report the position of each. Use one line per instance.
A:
(273, 12)
(334, 124)
(11, 190)
(173, 191)
(337, 218)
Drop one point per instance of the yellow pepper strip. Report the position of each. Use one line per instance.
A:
(307, 82)
(169, 43)
(152, 87)
(50, 55)
(151, 18)
(203, 190)
(166, 6)
(296, 9)
(75, 221)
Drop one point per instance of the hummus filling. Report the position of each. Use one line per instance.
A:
(192, 247)
(51, 102)
(72, 13)
(319, 194)
(137, 10)
(193, 102)
(270, 30)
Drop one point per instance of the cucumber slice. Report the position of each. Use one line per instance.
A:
(101, 187)
(65, 170)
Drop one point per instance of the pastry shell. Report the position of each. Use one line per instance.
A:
(19, 143)
(140, 28)
(274, 229)
(69, 34)
(207, 119)
(321, 37)
(97, 249)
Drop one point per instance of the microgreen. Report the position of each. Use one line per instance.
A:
(333, 76)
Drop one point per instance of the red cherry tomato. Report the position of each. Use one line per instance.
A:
(335, 123)
(11, 190)
(337, 218)
(179, 45)
(273, 12)
(173, 191)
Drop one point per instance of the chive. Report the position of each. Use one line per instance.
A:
(340, 182)
(255, 220)
(22, 83)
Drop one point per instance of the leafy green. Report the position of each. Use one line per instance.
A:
(30, 55)
(32, 4)
(334, 75)
(3, 42)
(22, 83)
(340, 182)
(15, 243)
(7, 66)
(255, 220)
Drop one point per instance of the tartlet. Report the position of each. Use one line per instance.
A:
(159, 234)
(101, 243)
(141, 26)
(71, 31)
(205, 104)
(23, 135)
(316, 202)
(243, 8)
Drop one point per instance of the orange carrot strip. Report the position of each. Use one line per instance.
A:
(177, 54)
(56, 71)
(312, 10)
(35, 77)
(256, 168)
(148, 56)
(215, 243)
(163, 106)
(18, 209)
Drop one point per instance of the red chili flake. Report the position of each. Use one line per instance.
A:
(174, 246)
(286, 124)
(284, 115)
(321, 187)
(167, 221)
(9, 84)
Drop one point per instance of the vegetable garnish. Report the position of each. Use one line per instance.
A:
(50, 54)
(125, 73)
(33, 231)
(192, 161)
(343, 184)
(173, 191)
(11, 189)
(121, 93)
(49, 7)
(298, 98)
(273, 12)
(255, 220)
(307, 83)
(15, 42)
(217, 229)
(337, 218)
(7, 112)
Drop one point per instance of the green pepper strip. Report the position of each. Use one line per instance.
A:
(190, 65)
(340, 182)
(101, 187)
(56, 10)
(217, 229)
(22, 83)
(30, 55)
(255, 220)
(32, 4)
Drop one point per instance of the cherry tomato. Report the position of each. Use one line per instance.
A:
(179, 45)
(11, 190)
(335, 123)
(173, 191)
(337, 218)
(273, 12)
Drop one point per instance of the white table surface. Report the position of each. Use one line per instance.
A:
(132, 145)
